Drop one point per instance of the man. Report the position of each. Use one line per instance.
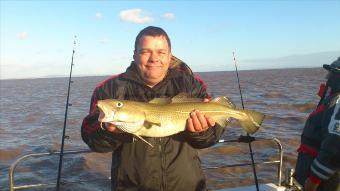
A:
(173, 163)
(318, 161)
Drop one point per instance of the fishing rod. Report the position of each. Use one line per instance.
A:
(248, 136)
(65, 119)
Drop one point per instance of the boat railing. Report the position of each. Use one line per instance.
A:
(247, 139)
(13, 166)
(242, 139)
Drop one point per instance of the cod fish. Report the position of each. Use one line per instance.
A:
(167, 116)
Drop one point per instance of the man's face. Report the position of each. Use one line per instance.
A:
(152, 57)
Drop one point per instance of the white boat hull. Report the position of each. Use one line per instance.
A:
(262, 187)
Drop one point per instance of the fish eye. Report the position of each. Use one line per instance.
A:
(119, 104)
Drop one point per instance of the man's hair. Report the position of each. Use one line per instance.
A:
(152, 31)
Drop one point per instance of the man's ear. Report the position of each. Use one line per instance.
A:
(134, 55)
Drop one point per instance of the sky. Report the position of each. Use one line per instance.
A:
(37, 37)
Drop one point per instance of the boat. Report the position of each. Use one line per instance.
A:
(288, 184)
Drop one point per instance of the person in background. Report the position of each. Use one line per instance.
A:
(173, 162)
(318, 161)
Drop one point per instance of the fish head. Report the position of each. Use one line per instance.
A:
(124, 114)
(119, 110)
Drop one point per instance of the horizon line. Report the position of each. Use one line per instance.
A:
(89, 75)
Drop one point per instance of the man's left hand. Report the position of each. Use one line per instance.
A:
(310, 186)
(199, 122)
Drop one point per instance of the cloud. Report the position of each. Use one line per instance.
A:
(137, 16)
(168, 16)
(22, 35)
(99, 15)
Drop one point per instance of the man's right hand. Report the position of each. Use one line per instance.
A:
(111, 128)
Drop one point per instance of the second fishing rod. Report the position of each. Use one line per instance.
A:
(248, 137)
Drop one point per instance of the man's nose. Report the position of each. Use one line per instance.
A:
(154, 56)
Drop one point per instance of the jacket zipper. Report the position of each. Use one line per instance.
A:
(163, 184)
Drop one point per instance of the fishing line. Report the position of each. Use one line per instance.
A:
(248, 136)
(65, 119)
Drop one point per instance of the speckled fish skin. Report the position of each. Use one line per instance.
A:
(164, 117)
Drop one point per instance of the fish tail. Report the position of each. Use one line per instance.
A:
(253, 122)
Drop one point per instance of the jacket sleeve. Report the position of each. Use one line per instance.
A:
(212, 135)
(327, 162)
(97, 138)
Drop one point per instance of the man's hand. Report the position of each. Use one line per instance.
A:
(111, 128)
(310, 186)
(199, 122)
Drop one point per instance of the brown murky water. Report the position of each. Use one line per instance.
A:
(32, 115)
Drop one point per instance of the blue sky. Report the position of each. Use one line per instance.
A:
(36, 37)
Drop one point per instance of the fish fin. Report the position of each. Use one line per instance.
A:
(148, 124)
(160, 100)
(145, 141)
(184, 97)
(224, 101)
(253, 123)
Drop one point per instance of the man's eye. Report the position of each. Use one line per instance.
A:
(144, 52)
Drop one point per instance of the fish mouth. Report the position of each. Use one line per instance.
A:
(105, 117)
